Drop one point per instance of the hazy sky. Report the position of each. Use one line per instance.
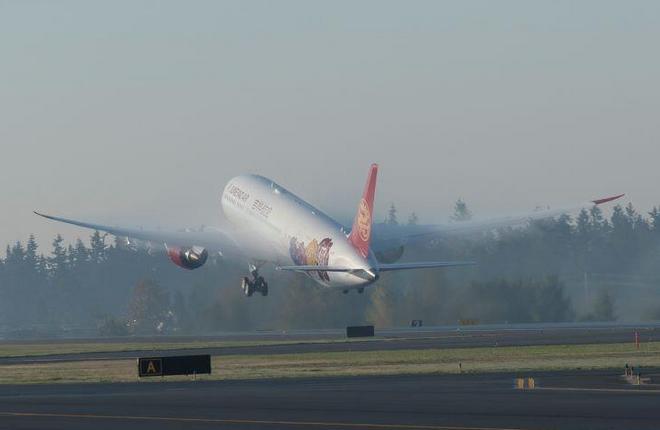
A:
(141, 111)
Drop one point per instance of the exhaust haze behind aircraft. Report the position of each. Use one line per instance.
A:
(272, 225)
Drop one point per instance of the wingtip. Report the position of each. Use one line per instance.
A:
(607, 199)
(43, 215)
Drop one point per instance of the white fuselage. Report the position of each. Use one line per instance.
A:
(280, 227)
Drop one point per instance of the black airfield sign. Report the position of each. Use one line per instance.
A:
(150, 366)
(360, 331)
(177, 365)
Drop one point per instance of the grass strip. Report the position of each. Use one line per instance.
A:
(358, 363)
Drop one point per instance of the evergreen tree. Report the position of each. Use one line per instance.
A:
(79, 254)
(31, 257)
(598, 222)
(620, 222)
(58, 259)
(634, 218)
(412, 219)
(461, 211)
(655, 219)
(583, 225)
(17, 254)
(97, 247)
(583, 241)
(391, 216)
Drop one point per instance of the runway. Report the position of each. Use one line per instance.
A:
(385, 340)
(426, 402)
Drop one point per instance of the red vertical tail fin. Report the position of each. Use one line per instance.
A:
(361, 233)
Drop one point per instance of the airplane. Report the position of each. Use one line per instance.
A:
(269, 224)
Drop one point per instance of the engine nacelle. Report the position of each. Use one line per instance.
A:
(390, 255)
(189, 258)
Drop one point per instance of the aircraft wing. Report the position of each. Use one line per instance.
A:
(212, 239)
(389, 236)
(423, 265)
(381, 267)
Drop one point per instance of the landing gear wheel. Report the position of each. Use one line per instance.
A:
(247, 286)
(261, 285)
(255, 284)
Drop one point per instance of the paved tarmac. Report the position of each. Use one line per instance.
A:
(566, 400)
(391, 339)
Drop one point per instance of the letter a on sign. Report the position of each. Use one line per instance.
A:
(150, 366)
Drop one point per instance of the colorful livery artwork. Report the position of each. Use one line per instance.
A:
(314, 254)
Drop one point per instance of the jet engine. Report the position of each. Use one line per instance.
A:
(189, 257)
(389, 255)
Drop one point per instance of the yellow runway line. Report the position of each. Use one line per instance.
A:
(604, 390)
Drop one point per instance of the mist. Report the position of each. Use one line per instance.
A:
(583, 268)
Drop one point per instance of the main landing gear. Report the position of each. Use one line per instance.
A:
(255, 285)
(359, 290)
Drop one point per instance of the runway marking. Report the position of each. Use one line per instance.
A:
(604, 390)
(246, 421)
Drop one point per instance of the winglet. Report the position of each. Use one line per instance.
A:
(361, 232)
(606, 199)
(50, 217)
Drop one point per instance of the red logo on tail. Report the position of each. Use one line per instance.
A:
(361, 232)
(364, 221)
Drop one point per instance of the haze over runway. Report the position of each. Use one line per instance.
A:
(147, 109)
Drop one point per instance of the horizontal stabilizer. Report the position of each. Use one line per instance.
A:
(315, 268)
(423, 265)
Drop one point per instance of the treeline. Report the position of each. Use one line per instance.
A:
(564, 269)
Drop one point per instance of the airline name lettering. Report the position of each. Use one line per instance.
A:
(238, 193)
(262, 208)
